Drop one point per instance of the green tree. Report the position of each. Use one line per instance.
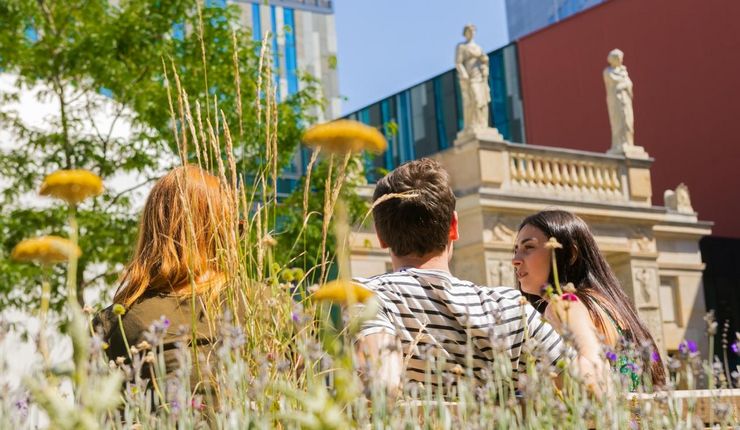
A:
(300, 230)
(142, 56)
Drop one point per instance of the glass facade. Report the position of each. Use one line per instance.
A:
(426, 118)
(316, 6)
(256, 22)
(525, 16)
(280, 19)
(291, 67)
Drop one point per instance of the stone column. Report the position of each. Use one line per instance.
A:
(639, 276)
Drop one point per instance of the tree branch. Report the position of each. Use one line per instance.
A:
(128, 190)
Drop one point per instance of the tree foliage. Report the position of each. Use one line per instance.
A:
(103, 63)
(299, 240)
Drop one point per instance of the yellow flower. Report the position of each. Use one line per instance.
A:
(73, 186)
(553, 243)
(119, 309)
(343, 292)
(45, 250)
(345, 135)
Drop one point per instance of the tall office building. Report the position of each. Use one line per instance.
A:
(527, 16)
(306, 41)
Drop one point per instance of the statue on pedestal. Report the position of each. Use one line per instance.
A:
(472, 70)
(619, 104)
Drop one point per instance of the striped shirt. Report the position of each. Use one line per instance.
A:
(434, 313)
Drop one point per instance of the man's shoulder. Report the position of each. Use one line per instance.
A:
(385, 278)
(420, 278)
(505, 293)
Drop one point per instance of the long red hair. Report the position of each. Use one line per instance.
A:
(186, 220)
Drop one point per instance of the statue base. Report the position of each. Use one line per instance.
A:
(631, 151)
(487, 134)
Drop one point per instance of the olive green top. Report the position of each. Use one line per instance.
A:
(180, 323)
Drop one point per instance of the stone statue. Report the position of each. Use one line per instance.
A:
(678, 200)
(619, 103)
(472, 70)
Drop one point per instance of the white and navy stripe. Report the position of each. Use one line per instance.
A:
(432, 312)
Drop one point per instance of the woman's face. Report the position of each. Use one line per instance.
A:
(531, 259)
(614, 60)
(468, 33)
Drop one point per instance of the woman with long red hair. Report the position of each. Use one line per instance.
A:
(175, 271)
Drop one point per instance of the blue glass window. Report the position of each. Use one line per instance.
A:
(275, 53)
(31, 34)
(291, 65)
(424, 119)
(256, 22)
(439, 115)
(405, 137)
(178, 31)
(499, 103)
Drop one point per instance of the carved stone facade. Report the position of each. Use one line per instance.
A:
(653, 250)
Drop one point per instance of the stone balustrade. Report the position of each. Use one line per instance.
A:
(548, 172)
(552, 173)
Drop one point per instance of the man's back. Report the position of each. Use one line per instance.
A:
(437, 315)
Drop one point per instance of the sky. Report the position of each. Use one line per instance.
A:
(384, 46)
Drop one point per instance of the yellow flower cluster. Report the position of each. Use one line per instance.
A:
(343, 292)
(72, 186)
(345, 135)
(45, 250)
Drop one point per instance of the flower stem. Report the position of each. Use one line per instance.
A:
(78, 332)
(123, 335)
(555, 272)
(43, 311)
(72, 267)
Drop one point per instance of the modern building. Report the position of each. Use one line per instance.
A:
(548, 98)
(527, 16)
(425, 119)
(305, 42)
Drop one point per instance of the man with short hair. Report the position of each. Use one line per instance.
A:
(426, 308)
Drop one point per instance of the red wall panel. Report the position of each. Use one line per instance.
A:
(684, 59)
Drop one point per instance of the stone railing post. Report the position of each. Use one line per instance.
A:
(638, 179)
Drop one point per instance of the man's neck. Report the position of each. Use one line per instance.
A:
(436, 261)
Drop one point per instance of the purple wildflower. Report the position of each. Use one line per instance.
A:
(655, 356)
(21, 405)
(688, 346)
(296, 317)
(735, 348)
(157, 330)
(611, 355)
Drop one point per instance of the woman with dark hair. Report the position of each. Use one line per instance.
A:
(598, 298)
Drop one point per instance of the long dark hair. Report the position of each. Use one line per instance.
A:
(580, 262)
